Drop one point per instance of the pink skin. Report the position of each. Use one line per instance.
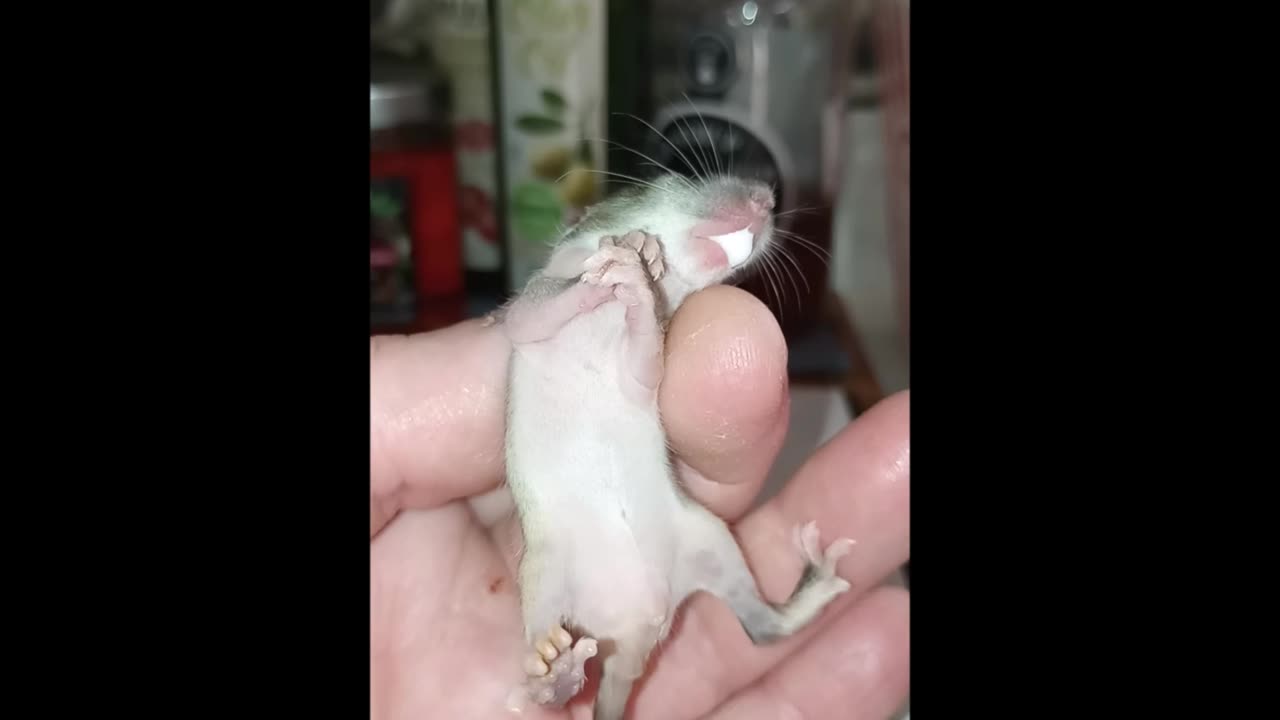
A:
(534, 320)
(711, 257)
(530, 322)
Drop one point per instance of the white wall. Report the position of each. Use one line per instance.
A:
(860, 271)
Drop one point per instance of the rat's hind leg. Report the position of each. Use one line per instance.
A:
(553, 297)
(623, 664)
(554, 664)
(546, 305)
(710, 560)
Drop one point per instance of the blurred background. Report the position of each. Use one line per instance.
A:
(495, 123)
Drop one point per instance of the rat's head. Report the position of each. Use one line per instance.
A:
(710, 229)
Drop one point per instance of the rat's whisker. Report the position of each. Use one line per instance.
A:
(763, 273)
(719, 168)
(693, 148)
(766, 262)
(786, 273)
(817, 250)
(634, 180)
(732, 150)
(785, 254)
(662, 137)
(698, 149)
(797, 210)
(772, 284)
(651, 160)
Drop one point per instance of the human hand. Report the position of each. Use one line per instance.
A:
(446, 639)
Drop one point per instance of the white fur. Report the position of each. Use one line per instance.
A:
(598, 505)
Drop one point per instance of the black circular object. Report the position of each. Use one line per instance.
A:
(709, 65)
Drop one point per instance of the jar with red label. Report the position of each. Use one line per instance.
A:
(416, 275)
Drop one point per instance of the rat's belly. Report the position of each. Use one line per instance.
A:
(578, 448)
(574, 439)
(602, 490)
(589, 470)
(618, 563)
(605, 534)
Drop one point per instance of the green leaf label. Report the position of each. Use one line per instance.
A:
(539, 124)
(382, 206)
(553, 101)
(536, 211)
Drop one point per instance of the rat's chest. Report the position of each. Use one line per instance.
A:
(571, 424)
(578, 373)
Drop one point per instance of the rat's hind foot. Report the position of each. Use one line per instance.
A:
(820, 568)
(556, 670)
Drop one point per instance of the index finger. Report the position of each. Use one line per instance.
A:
(436, 403)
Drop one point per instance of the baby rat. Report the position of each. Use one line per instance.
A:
(613, 545)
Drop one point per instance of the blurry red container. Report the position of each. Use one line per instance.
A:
(410, 152)
(429, 175)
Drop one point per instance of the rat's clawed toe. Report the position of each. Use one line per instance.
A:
(535, 666)
(556, 669)
(561, 637)
(652, 254)
(649, 248)
(605, 259)
(647, 251)
(824, 562)
(621, 267)
(634, 240)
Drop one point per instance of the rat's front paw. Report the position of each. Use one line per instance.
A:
(649, 247)
(634, 248)
(622, 268)
(606, 258)
(556, 670)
